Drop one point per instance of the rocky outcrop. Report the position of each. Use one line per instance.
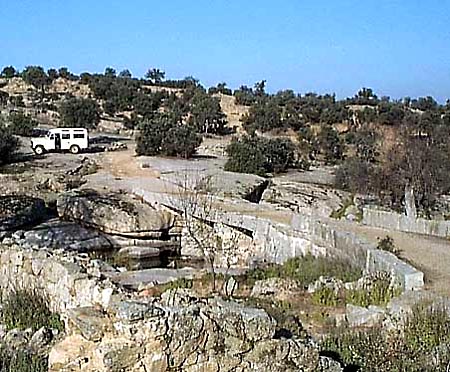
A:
(17, 211)
(180, 332)
(305, 198)
(114, 213)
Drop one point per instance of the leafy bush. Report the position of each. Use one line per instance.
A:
(21, 124)
(28, 308)
(387, 244)
(258, 155)
(420, 344)
(355, 175)
(181, 140)
(265, 115)
(79, 113)
(8, 144)
(164, 134)
(206, 114)
(330, 145)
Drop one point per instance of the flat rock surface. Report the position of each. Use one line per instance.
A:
(17, 211)
(142, 278)
(220, 182)
(56, 234)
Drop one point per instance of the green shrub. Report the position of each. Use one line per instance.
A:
(163, 134)
(420, 344)
(21, 124)
(79, 113)
(340, 213)
(379, 292)
(258, 155)
(387, 244)
(28, 308)
(8, 144)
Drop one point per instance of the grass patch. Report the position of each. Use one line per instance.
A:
(181, 283)
(380, 295)
(24, 308)
(28, 308)
(420, 344)
(22, 361)
(307, 269)
(326, 296)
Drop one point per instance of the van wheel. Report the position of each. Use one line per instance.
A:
(39, 150)
(74, 149)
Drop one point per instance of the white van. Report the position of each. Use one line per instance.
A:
(59, 139)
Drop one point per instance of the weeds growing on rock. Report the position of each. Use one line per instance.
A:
(326, 296)
(380, 292)
(421, 343)
(28, 308)
(308, 269)
(21, 361)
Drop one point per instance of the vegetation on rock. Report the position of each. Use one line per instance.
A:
(29, 307)
(420, 344)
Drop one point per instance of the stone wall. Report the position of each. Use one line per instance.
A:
(395, 221)
(302, 234)
(65, 281)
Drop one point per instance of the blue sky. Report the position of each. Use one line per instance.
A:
(396, 47)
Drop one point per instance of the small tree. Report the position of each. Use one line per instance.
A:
(36, 76)
(165, 134)
(110, 72)
(330, 145)
(8, 144)
(8, 72)
(79, 112)
(155, 75)
(181, 140)
(206, 113)
(196, 200)
(52, 74)
(21, 124)
(258, 155)
(4, 97)
(64, 73)
(126, 74)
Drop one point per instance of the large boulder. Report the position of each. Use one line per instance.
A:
(305, 198)
(18, 211)
(56, 234)
(114, 213)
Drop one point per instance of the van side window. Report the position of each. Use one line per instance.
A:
(65, 136)
(78, 135)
